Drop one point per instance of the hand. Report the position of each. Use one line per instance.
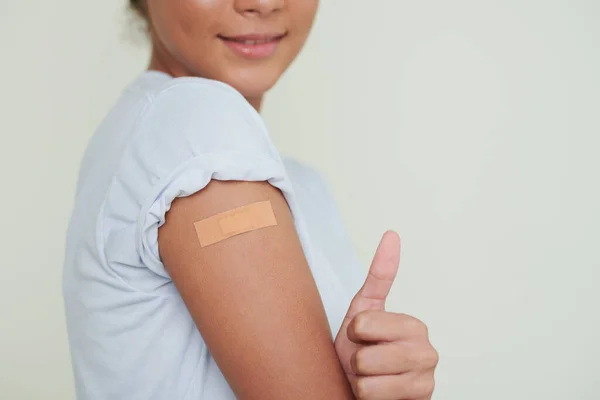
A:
(386, 356)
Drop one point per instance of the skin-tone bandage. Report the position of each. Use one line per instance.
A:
(235, 222)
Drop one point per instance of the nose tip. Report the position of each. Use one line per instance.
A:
(260, 7)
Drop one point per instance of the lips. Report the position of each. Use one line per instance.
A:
(253, 46)
(254, 38)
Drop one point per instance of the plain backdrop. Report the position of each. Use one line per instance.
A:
(470, 126)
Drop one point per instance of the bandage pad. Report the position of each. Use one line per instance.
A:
(235, 222)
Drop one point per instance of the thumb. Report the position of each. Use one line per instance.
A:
(383, 270)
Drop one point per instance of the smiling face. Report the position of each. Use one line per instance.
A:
(247, 44)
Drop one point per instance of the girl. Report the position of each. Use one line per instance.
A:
(199, 264)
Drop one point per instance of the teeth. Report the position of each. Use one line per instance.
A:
(254, 42)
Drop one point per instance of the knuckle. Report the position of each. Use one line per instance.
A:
(435, 357)
(356, 362)
(424, 387)
(428, 358)
(421, 358)
(360, 361)
(424, 329)
(416, 326)
(360, 323)
(362, 389)
(430, 387)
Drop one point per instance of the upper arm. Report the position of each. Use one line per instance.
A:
(253, 298)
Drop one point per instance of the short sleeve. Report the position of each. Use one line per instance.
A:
(194, 130)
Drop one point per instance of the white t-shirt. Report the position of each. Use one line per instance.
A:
(131, 335)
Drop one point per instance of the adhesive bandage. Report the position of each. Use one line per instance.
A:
(235, 222)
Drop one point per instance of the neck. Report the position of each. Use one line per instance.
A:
(176, 70)
(255, 102)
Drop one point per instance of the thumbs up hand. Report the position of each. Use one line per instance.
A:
(386, 356)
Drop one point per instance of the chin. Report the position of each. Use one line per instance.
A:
(252, 84)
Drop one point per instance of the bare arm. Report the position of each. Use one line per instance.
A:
(253, 298)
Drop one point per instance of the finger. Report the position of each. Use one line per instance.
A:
(393, 359)
(383, 326)
(394, 387)
(383, 270)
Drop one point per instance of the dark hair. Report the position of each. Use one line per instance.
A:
(137, 6)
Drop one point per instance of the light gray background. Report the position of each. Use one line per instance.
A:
(470, 126)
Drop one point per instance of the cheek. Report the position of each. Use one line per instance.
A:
(303, 13)
(207, 3)
(307, 9)
(181, 23)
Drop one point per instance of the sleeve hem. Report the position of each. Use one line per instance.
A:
(191, 177)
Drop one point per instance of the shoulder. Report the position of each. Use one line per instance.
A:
(195, 116)
(157, 87)
(162, 124)
(201, 100)
(205, 97)
(191, 132)
(156, 107)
